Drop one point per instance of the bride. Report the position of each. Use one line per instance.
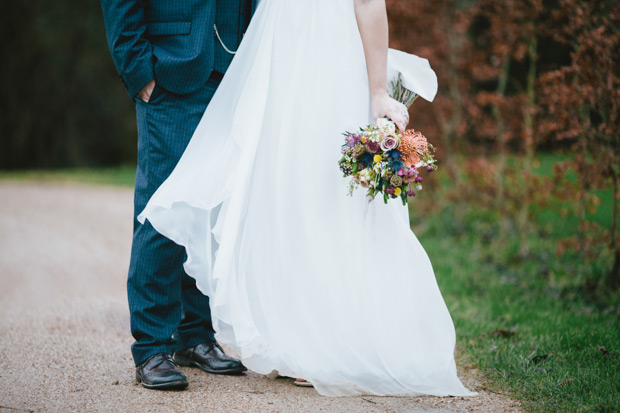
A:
(302, 278)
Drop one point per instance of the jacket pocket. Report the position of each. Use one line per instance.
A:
(168, 28)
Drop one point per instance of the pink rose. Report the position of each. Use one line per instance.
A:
(388, 143)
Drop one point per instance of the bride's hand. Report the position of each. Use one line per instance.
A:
(383, 106)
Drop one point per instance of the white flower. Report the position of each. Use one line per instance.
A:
(363, 178)
(386, 125)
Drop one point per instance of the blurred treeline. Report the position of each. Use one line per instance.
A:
(516, 78)
(61, 102)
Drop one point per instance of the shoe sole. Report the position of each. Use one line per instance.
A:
(185, 362)
(173, 385)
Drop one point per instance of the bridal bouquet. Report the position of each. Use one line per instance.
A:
(380, 158)
(385, 161)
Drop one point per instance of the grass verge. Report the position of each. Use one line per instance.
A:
(527, 322)
(117, 176)
(536, 341)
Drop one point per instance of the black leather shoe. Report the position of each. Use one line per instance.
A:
(161, 373)
(209, 357)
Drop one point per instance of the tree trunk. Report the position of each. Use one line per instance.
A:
(501, 147)
(530, 145)
(614, 276)
(613, 280)
(582, 169)
(449, 124)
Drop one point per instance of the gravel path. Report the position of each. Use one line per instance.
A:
(64, 324)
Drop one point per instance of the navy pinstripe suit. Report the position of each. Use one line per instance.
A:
(171, 41)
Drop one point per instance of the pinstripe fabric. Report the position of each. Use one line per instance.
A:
(171, 41)
(160, 293)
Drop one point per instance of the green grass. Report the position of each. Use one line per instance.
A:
(118, 176)
(538, 343)
(527, 322)
(523, 321)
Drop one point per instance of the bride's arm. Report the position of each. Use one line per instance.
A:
(373, 26)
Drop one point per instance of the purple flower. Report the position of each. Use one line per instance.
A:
(372, 146)
(418, 179)
(400, 172)
(389, 190)
(430, 168)
(352, 140)
(411, 193)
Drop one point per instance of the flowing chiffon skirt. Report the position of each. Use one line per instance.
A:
(302, 278)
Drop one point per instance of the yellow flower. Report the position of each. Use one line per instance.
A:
(377, 158)
(397, 191)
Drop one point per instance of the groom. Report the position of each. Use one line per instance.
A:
(170, 56)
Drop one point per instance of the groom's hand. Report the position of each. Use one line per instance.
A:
(145, 93)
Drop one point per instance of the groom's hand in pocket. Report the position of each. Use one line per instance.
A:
(147, 90)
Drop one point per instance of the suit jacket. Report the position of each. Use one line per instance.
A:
(172, 41)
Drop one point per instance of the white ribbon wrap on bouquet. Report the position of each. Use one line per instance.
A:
(416, 73)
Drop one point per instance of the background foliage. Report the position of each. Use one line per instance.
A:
(519, 78)
(61, 102)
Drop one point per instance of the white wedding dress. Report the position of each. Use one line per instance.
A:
(304, 279)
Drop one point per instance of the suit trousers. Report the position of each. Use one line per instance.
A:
(168, 313)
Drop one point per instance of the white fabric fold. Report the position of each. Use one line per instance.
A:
(416, 73)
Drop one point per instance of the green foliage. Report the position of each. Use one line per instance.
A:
(533, 324)
(530, 334)
(61, 101)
